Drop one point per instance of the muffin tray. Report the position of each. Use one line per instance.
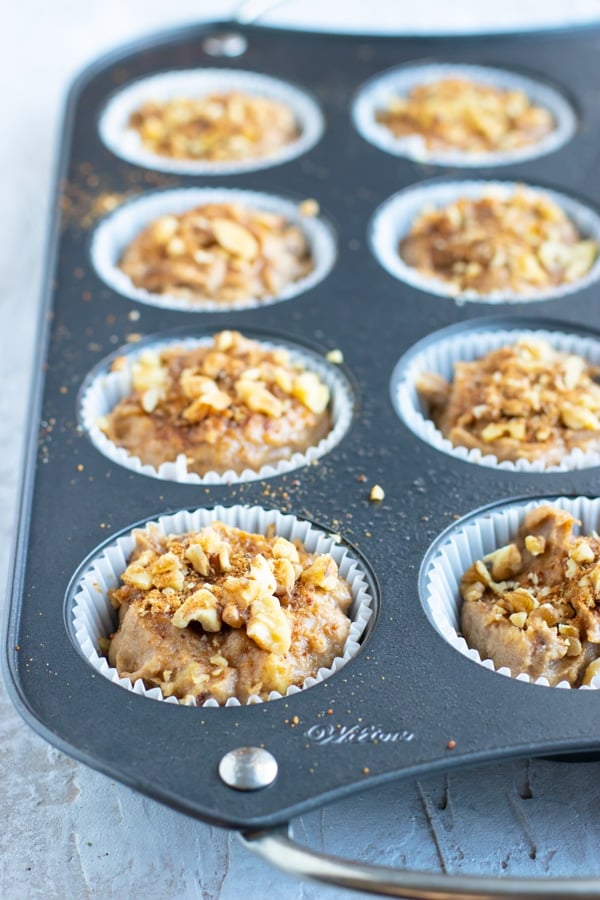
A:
(408, 702)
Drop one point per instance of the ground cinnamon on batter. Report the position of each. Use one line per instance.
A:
(520, 244)
(224, 613)
(232, 404)
(534, 605)
(460, 114)
(522, 401)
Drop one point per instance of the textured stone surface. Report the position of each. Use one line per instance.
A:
(73, 833)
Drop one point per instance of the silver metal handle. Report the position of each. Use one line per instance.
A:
(250, 11)
(278, 848)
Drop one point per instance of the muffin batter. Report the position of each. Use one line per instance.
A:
(533, 605)
(224, 613)
(230, 405)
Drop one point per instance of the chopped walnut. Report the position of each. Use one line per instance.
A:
(222, 612)
(232, 404)
(217, 127)
(460, 114)
(522, 401)
(499, 244)
(544, 618)
(222, 252)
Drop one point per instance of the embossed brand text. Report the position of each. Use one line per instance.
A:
(355, 734)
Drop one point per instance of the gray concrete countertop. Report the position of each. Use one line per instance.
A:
(72, 833)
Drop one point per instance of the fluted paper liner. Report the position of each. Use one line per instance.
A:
(105, 389)
(439, 356)
(376, 95)
(469, 541)
(93, 616)
(126, 142)
(114, 234)
(393, 221)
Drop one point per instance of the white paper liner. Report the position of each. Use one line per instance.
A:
(126, 143)
(118, 230)
(439, 356)
(377, 94)
(470, 540)
(394, 218)
(106, 388)
(93, 617)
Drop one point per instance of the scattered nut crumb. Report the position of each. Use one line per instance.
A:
(451, 745)
(377, 493)
(335, 356)
(309, 207)
(134, 315)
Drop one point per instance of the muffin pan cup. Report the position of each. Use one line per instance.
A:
(94, 616)
(472, 539)
(114, 234)
(376, 95)
(397, 706)
(393, 221)
(439, 352)
(126, 143)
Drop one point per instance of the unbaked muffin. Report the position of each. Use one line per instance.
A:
(223, 613)
(227, 405)
(223, 252)
(217, 127)
(522, 401)
(461, 114)
(533, 605)
(493, 244)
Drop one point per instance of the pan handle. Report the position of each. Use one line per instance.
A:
(248, 12)
(278, 848)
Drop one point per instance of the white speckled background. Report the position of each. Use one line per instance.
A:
(69, 832)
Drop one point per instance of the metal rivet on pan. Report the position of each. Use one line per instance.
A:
(248, 768)
(226, 44)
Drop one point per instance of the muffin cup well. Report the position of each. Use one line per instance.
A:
(471, 539)
(126, 143)
(92, 616)
(114, 234)
(393, 220)
(439, 353)
(103, 389)
(377, 93)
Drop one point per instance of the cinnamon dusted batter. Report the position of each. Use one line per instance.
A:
(231, 405)
(221, 252)
(224, 613)
(218, 127)
(534, 605)
(460, 114)
(522, 401)
(520, 244)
